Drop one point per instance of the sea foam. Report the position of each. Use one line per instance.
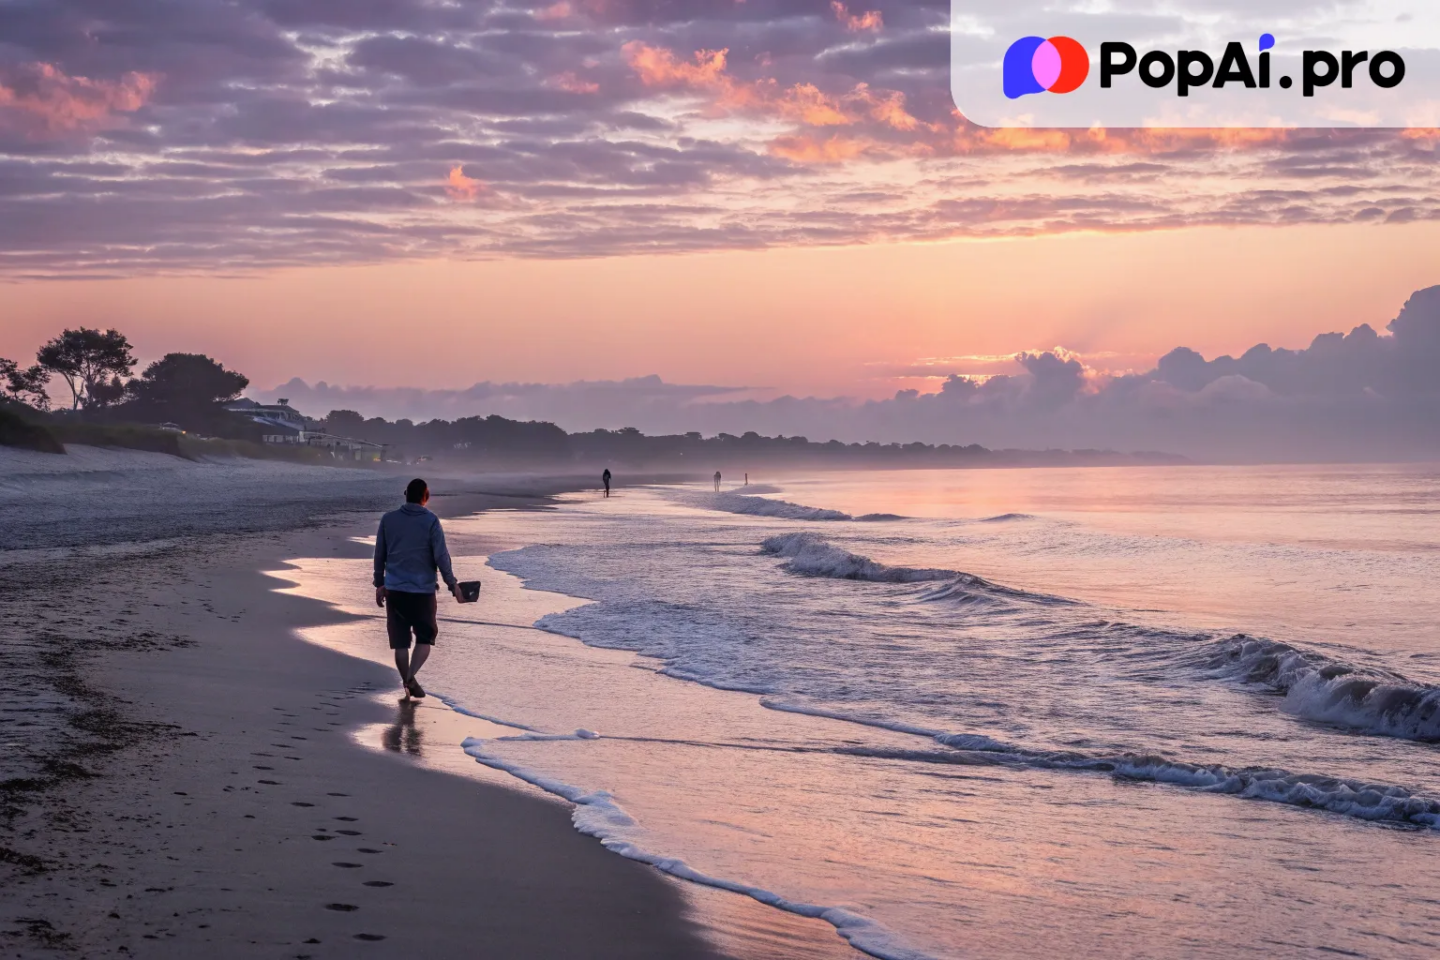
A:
(747, 504)
(1340, 795)
(810, 555)
(1317, 687)
(598, 815)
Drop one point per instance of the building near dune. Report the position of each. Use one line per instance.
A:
(286, 425)
(280, 418)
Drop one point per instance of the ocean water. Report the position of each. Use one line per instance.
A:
(1124, 712)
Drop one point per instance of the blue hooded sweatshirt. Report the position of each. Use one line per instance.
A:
(409, 548)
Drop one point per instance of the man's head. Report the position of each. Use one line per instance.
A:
(417, 491)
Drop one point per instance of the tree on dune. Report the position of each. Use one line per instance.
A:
(105, 393)
(187, 379)
(90, 362)
(25, 386)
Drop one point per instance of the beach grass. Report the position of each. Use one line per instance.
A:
(19, 431)
(29, 429)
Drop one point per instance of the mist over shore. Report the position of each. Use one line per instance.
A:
(1364, 396)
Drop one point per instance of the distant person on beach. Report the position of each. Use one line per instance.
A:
(606, 478)
(409, 549)
(717, 481)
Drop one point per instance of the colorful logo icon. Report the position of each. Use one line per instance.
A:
(1037, 65)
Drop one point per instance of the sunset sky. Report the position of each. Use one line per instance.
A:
(772, 194)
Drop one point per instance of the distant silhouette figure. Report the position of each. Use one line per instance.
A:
(717, 481)
(605, 477)
(747, 479)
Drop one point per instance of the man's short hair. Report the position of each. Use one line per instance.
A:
(416, 490)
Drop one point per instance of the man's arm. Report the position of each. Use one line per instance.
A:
(381, 552)
(441, 555)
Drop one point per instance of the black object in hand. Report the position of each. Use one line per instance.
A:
(469, 590)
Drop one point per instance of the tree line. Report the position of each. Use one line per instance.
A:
(97, 367)
(192, 390)
(495, 439)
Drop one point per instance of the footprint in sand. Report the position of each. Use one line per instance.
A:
(347, 866)
(322, 836)
(343, 907)
(365, 849)
(269, 783)
(378, 883)
(348, 819)
(370, 936)
(337, 794)
(258, 767)
(300, 803)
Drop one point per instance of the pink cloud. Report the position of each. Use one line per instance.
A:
(887, 107)
(883, 126)
(833, 149)
(659, 67)
(42, 100)
(460, 187)
(870, 21)
(803, 103)
(571, 83)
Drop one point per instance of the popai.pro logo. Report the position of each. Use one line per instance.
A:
(1038, 65)
(1061, 65)
(1282, 63)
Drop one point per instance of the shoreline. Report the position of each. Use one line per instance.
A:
(210, 798)
(443, 730)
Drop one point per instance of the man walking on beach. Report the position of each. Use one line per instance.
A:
(605, 478)
(717, 481)
(409, 549)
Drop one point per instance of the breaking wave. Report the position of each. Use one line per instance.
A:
(1322, 689)
(813, 556)
(765, 507)
(1340, 795)
(748, 505)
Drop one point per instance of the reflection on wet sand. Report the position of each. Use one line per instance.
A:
(430, 732)
(403, 736)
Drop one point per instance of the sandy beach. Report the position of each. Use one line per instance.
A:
(180, 773)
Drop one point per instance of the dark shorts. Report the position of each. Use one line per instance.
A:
(407, 612)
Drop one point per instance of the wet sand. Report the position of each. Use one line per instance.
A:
(182, 779)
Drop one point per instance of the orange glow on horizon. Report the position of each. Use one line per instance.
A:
(807, 321)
